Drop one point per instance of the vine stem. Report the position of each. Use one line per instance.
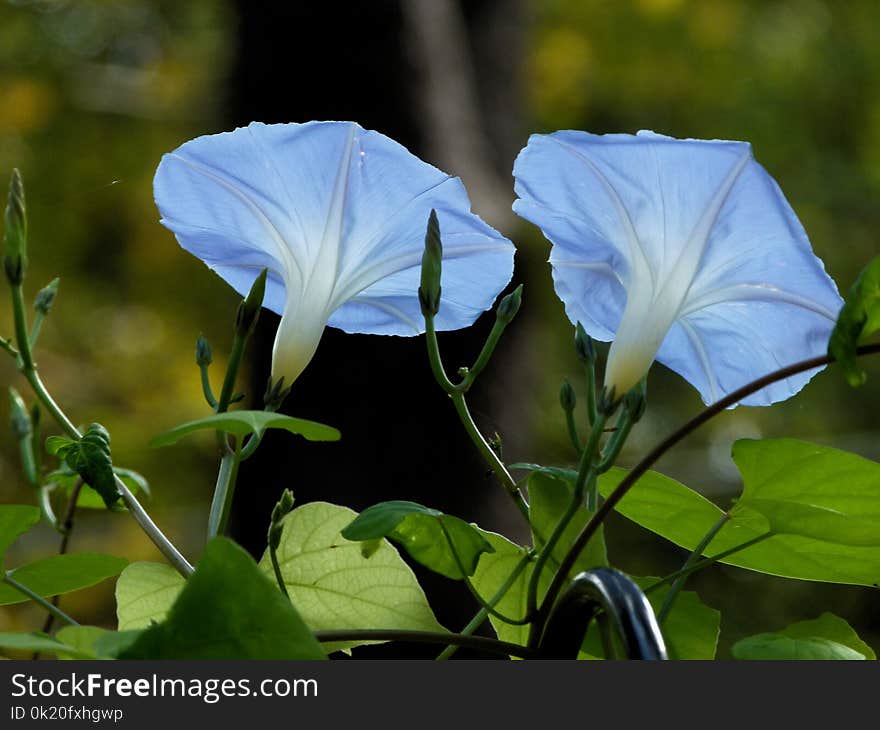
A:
(706, 562)
(480, 643)
(695, 555)
(66, 528)
(221, 504)
(659, 450)
(457, 394)
(38, 599)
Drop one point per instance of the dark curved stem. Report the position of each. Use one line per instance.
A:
(659, 450)
(479, 643)
(625, 611)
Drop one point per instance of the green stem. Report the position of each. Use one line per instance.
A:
(695, 555)
(22, 338)
(36, 598)
(706, 562)
(590, 371)
(615, 443)
(223, 492)
(488, 454)
(456, 393)
(435, 360)
(45, 503)
(206, 387)
(8, 346)
(273, 554)
(250, 446)
(228, 388)
(484, 356)
(483, 613)
(66, 530)
(479, 643)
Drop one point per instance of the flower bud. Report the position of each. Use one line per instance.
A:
(583, 344)
(46, 297)
(636, 400)
(279, 512)
(18, 415)
(15, 241)
(249, 309)
(509, 306)
(204, 355)
(432, 265)
(567, 397)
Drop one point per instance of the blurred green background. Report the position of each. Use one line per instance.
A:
(93, 92)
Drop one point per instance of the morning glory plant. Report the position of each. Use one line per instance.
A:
(684, 251)
(681, 251)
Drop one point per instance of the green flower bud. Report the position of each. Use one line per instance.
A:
(567, 397)
(46, 297)
(432, 265)
(15, 250)
(583, 344)
(509, 306)
(19, 417)
(275, 394)
(636, 400)
(279, 512)
(249, 309)
(204, 355)
(608, 401)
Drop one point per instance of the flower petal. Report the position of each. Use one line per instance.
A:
(684, 249)
(338, 214)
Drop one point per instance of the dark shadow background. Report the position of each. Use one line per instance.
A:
(93, 93)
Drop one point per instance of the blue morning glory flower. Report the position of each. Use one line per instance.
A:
(337, 214)
(684, 251)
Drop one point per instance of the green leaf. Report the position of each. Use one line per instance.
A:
(492, 573)
(829, 626)
(859, 318)
(670, 509)
(81, 638)
(690, 631)
(15, 520)
(334, 586)
(59, 574)
(39, 642)
(90, 458)
(144, 594)
(826, 637)
(228, 610)
(54, 444)
(428, 535)
(549, 498)
(810, 490)
(241, 423)
(65, 480)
